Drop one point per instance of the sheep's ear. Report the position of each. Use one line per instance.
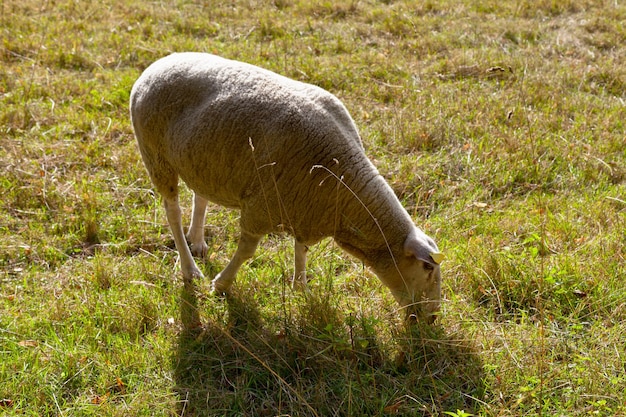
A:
(415, 245)
(423, 248)
(437, 257)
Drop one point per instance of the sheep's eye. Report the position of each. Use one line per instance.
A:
(428, 266)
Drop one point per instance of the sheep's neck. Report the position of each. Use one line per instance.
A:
(373, 222)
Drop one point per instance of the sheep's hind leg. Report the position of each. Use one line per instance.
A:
(195, 235)
(299, 274)
(245, 250)
(174, 219)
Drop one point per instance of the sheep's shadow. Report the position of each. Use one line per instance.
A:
(334, 366)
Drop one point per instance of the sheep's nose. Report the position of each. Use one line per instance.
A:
(413, 318)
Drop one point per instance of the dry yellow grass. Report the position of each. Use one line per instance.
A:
(500, 124)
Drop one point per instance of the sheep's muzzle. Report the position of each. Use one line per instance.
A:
(413, 317)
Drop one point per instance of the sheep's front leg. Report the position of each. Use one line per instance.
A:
(174, 219)
(245, 251)
(299, 274)
(195, 235)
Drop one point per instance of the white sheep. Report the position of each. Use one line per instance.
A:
(289, 156)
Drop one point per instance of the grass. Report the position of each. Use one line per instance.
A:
(500, 125)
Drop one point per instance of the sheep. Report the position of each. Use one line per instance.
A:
(286, 154)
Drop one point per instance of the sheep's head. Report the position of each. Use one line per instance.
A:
(415, 278)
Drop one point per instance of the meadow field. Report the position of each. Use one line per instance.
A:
(500, 124)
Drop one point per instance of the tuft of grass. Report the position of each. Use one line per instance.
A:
(500, 126)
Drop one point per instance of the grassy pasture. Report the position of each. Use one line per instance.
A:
(500, 125)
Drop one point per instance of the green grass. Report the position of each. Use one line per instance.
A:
(500, 125)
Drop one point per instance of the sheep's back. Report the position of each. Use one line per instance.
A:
(245, 137)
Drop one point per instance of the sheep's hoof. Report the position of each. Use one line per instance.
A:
(191, 274)
(299, 285)
(219, 294)
(219, 288)
(199, 250)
